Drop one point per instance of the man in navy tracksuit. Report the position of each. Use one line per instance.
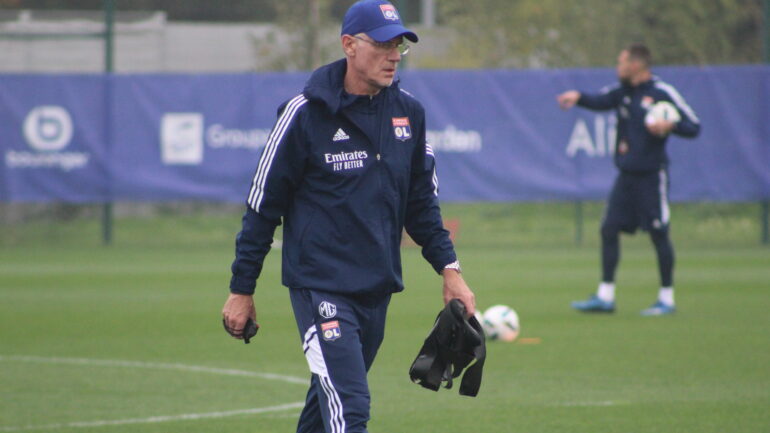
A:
(639, 197)
(347, 168)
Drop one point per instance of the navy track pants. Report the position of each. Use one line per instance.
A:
(340, 337)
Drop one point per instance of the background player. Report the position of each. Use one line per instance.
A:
(347, 168)
(639, 197)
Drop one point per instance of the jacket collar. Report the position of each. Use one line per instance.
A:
(326, 85)
(648, 83)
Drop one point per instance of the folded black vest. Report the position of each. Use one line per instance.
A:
(452, 345)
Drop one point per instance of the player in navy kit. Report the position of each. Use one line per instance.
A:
(639, 197)
(346, 169)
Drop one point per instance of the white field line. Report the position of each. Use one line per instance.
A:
(156, 419)
(154, 366)
(605, 403)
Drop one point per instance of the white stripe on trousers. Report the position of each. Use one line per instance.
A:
(336, 421)
(317, 364)
(258, 184)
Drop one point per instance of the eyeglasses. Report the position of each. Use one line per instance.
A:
(402, 47)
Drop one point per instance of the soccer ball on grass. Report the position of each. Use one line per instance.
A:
(500, 322)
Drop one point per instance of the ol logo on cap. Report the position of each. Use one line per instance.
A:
(389, 11)
(379, 19)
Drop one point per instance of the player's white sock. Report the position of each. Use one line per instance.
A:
(606, 292)
(666, 296)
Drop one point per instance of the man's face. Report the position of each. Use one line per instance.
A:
(375, 62)
(627, 67)
(623, 66)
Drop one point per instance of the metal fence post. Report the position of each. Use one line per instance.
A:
(765, 223)
(766, 45)
(109, 20)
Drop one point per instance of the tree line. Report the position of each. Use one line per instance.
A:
(502, 33)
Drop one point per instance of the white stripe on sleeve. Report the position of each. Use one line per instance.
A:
(609, 88)
(429, 152)
(265, 162)
(678, 100)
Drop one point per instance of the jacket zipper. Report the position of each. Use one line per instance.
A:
(383, 193)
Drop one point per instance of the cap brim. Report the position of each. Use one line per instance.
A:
(390, 31)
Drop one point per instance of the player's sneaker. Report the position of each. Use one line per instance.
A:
(659, 309)
(594, 305)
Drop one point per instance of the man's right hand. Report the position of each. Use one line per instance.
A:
(568, 99)
(237, 310)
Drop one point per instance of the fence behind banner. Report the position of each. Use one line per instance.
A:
(498, 135)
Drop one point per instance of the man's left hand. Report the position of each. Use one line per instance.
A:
(455, 287)
(661, 128)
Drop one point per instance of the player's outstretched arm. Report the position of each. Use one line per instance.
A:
(607, 99)
(568, 99)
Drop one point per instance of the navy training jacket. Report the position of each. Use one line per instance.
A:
(346, 174)
(636, 149)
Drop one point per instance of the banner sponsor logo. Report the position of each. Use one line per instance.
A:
(181, 138)
(218, 137)
(599, 144)
(48, 130)
(451, 139)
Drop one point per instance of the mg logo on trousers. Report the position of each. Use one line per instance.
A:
(327, 310)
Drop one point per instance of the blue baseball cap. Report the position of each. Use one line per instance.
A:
(378, 19)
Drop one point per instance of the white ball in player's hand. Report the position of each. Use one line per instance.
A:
(662, 110)
(500, 322)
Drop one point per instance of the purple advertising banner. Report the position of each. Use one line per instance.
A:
(498, 135)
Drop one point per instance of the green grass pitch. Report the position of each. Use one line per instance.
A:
(129, 339)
